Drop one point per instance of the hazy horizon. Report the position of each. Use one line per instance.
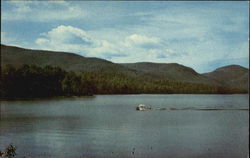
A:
(201, 35)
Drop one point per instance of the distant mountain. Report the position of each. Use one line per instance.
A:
(71, 62)
(171, 71)
(232, 76)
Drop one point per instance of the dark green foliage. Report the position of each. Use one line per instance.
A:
(232, 77)
(73, 84)
(9, 152)
(115, 83)
(170, 71)
(37, 82)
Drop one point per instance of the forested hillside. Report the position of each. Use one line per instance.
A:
(170, 71)
(230, 76)
(34, 74)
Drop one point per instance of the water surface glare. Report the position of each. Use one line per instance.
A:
(108, 126)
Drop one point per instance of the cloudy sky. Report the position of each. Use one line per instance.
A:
(201, 35)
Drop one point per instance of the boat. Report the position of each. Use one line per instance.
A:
(143, 107)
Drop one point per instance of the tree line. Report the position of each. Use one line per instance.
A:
(30, 81)
(36, 82)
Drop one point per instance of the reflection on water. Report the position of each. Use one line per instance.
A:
(109, 126)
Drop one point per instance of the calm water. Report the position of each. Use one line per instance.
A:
(108, 126)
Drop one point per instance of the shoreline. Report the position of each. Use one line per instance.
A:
(91, 96)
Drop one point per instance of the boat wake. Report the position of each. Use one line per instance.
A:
(142, 107)
(202, 109)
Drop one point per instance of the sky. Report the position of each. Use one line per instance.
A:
(201, 35)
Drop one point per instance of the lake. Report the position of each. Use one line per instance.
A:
(108, 126)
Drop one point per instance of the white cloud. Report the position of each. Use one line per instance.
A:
(72, 39)
(64, 38)
(104, 48)
(136, 39)
(129, 47)
(64, 34)
(190, 33)
(42, 11)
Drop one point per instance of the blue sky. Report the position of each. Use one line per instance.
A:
(201, 35)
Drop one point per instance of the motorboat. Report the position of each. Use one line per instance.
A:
(142, 107)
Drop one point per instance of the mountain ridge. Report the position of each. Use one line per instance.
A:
(230, 75)
(156, 71)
